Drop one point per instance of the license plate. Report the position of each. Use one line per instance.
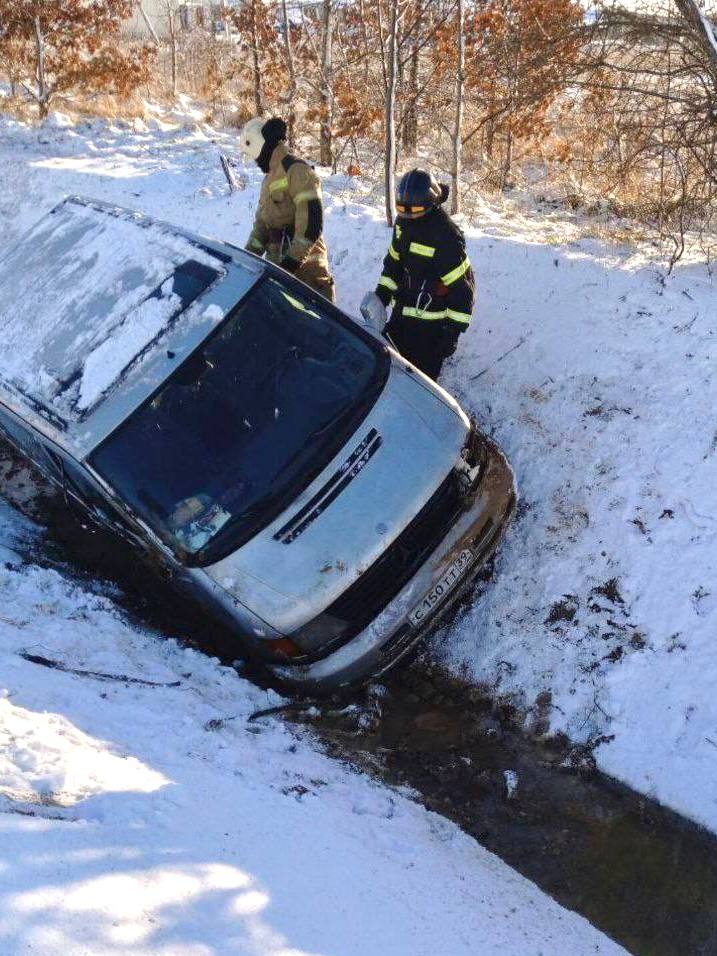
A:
(442, 589)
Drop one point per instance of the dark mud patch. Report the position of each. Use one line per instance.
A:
(641, 874)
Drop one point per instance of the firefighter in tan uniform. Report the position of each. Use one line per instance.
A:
(288, 228)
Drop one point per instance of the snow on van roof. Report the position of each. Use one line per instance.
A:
(85, 294)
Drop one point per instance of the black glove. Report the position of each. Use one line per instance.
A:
(289, 263)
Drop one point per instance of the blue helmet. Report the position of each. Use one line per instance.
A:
(418, 192)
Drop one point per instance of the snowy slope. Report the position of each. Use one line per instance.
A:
(130, 823)
(602, 597)
(594, 372)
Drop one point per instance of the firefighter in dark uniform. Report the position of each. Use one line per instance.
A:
(288, 227)
(426, 275)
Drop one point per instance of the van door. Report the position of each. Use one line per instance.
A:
(23, 438)
(81, 489)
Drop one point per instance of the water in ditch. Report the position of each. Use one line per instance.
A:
(641, 874)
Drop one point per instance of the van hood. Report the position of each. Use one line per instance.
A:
(345, 519)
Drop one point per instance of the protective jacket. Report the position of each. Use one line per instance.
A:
(428, 276)
(426, 271)
(288, 227)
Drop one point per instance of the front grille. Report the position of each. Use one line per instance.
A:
(377, 586)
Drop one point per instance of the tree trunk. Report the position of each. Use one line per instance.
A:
(293, 88)
(365, 43)
(458, 119)
(43, 94)
(702, 28)
(148, 23)
(172, 24)
(410, 125)
(513, 88)
(663, 134)
(256, 63)
(390, 114)
(326, 146)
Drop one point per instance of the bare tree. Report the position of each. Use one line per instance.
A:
(410, 117)
(148, 23)
(256, 65)
(703, 28)
(291, 67)
(170, 8)
(390, 111)
(458, 120)
(658, 67)
(43, 91)
(326, 94)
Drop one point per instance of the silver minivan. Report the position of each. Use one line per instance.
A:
(288, 470)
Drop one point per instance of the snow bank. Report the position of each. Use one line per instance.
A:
(602, 595)
(57, 120)
(128, 824)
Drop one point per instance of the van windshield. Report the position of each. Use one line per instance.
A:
(245, 424)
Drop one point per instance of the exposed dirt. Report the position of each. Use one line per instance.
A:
(640, 873)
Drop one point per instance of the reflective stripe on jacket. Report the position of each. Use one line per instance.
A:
(426, 270)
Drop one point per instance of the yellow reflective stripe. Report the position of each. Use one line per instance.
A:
(415, 313)
(463, 317)
(398, 231)
(392, 253)
(421, 250)
(282, 183)
(306, 195)
(388, 283)
(456, 273)
(298, 305)
(429, 315)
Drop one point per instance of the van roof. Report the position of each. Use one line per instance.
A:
(98, 305)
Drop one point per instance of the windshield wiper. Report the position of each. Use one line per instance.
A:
(258, 507)
(322, 429)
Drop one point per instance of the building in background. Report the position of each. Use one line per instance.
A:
(152, 19)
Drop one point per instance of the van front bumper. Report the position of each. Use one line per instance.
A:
(392, 635)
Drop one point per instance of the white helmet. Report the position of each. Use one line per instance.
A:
(252, 138)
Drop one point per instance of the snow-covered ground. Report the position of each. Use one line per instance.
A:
(132, 822)
(595, 373)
